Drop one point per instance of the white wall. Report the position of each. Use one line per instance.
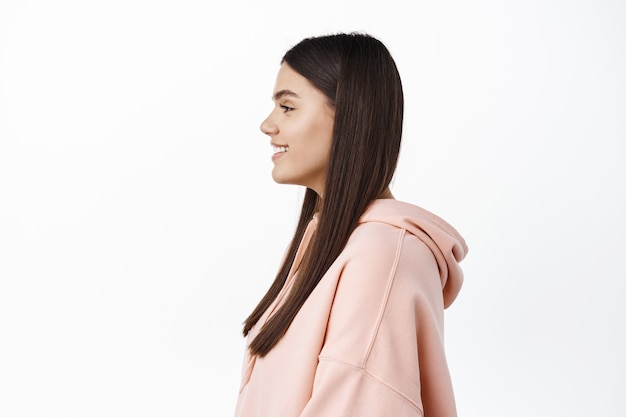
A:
(139, 224)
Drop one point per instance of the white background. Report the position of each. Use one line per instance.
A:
(139, 224)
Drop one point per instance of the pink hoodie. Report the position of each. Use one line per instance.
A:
(368, 342)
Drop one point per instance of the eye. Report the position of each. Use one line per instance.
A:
(286, 109)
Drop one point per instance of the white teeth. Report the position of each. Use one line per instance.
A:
(278, 149)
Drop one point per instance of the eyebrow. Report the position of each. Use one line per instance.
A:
(283, 93)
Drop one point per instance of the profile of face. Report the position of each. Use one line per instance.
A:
(300, 127)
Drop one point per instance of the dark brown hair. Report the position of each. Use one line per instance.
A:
(361, 82)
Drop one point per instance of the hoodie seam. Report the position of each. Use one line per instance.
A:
(383, 307)
(377, 380)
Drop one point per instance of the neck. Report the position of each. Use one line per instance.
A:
(386, 194)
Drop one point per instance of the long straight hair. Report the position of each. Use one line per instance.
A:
(360, 80)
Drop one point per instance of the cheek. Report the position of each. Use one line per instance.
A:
(313, 137)
(324, 137)
(319, 143)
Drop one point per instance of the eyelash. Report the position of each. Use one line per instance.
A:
(286, 109)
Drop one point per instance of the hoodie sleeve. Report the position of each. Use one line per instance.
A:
(383, 354)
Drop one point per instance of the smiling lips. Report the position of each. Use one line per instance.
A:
(279, 150)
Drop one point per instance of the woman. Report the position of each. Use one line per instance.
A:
(353, 323)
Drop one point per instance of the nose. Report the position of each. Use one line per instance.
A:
(268, 126)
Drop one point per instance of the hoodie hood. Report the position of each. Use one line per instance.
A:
(443, 240)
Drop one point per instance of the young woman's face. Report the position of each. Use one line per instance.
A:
(300, 127)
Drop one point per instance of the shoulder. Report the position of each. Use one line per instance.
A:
(378, 241)
(376, 252)
(373, 238)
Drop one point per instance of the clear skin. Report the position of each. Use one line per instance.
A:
(302, 120)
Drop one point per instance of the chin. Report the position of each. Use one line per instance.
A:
(279, 176)
(286, 181)
(279, 179)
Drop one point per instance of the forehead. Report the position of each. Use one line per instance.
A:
(288, 80)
